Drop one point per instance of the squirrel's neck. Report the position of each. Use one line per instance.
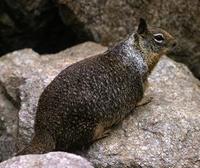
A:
(152, 61)
(131, 56)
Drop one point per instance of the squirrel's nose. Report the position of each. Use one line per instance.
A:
(174, 44)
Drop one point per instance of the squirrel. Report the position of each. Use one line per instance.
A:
(87, 98)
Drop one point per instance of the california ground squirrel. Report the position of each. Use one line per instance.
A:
(87, 98)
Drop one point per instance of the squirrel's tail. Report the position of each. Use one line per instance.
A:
(40, 144)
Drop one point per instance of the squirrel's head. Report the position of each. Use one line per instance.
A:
(153, 42)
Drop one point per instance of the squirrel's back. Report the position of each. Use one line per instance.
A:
(87, 98)
(100, 89)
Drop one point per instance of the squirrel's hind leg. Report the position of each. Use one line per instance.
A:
(41, 143)
(100, 132)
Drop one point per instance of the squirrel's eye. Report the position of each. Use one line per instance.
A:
(159, 38)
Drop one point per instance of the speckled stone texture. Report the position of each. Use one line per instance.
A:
(111, 20)
(49, 160)
(8, 125)
(163, 133)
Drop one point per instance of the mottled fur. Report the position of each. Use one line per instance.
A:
(90, 96)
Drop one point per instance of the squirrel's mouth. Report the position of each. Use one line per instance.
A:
(173, 45)
(171, 48)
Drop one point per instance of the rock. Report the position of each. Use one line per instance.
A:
(49, 160)
(109, 21)
(8, 125)
(163, 133)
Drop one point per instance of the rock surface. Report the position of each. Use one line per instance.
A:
(49, 160)
(8, 125)
(163, 133)
(111, 20)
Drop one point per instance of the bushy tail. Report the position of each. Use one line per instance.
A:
(40, 144)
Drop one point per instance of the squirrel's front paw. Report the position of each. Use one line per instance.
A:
(145, 100)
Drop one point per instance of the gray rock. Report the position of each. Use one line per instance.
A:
(8, 125)
(111, 20)
(49, 160)
(163, 133)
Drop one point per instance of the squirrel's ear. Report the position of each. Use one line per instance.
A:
(142, 27)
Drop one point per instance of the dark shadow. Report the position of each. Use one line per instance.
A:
(52, 37)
